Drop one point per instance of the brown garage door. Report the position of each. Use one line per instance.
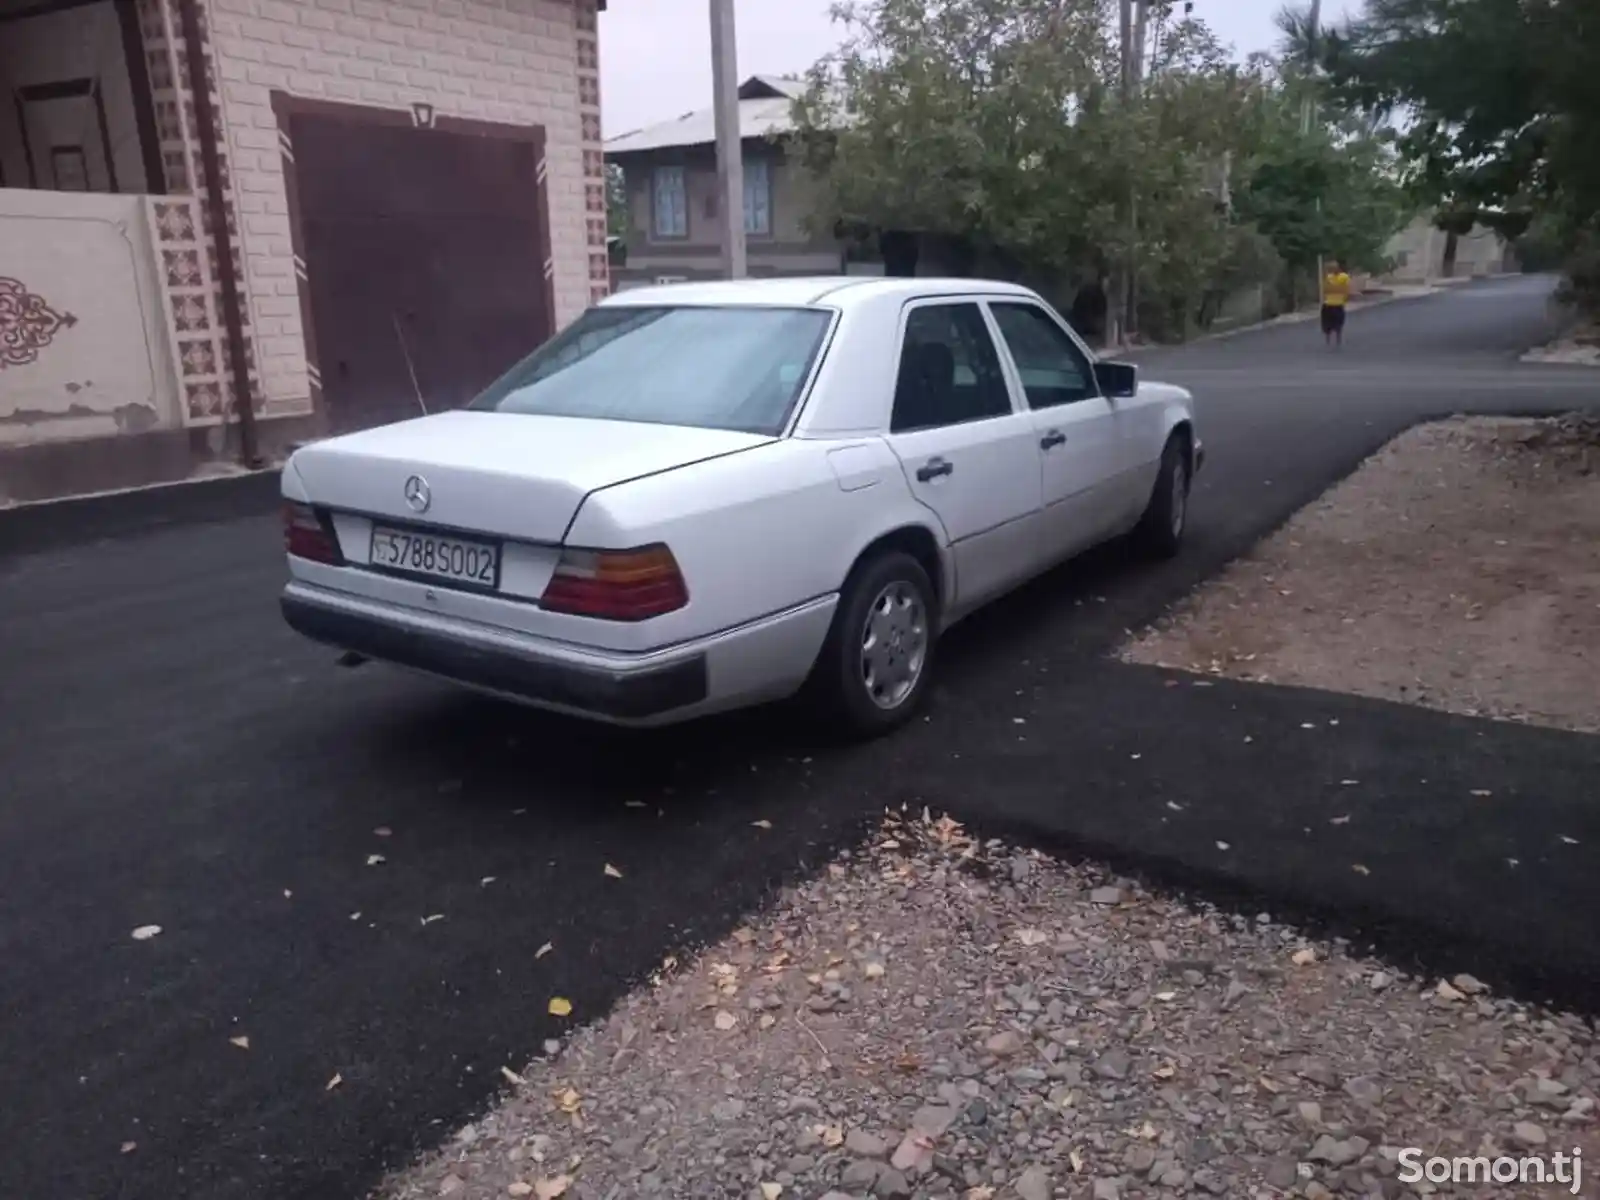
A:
(424, 262)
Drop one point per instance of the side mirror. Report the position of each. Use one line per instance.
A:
(1117, 379)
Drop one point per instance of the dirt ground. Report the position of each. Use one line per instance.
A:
(1458, 568)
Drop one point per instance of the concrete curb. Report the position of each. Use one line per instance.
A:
(1297, 318)
(44, 525)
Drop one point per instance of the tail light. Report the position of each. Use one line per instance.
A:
(616, 585)
(308, 533)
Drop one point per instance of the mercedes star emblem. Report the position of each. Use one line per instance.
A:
(418, 494)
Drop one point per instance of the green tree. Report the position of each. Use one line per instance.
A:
(616, 201)
(1498, 102)
(1000, 122)
(1331, 191)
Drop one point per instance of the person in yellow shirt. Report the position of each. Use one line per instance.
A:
(1335, 301)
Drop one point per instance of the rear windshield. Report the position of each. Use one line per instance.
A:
(715, 368)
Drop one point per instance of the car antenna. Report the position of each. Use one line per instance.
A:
(410, 367)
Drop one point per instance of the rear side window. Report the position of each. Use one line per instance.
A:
(714, 368)
(1053, 370)
(949, 370)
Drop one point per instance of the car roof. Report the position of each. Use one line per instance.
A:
(830, 291)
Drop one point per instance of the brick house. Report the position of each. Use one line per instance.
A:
(346, 209)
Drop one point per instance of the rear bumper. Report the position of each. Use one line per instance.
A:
(759, 661)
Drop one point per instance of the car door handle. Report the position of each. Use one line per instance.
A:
(1052, 439)
(934, 468)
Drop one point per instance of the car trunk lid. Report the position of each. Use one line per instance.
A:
(511, 474)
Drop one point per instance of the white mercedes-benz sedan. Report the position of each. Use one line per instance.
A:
(704, 496)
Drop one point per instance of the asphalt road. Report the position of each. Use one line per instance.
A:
(172, 755)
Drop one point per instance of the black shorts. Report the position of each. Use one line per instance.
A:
(1332, 318)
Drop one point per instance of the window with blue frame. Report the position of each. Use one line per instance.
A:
(757, 197)
(670, 203)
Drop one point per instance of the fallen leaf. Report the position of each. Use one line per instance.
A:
(763, 825)
(1303, 958)
(831, 1135)
(382, 831)
(512, 1077)
(767, 1021)
(430, 919)
(1166, 997)
(543, 950)
(1344, 820)
(1481, 792)
(486, 881)
(145, 932)
(1307, 725)
(873, 970)
(333, 1083)
(355, 916)
(1165, 1072)
(287, 894)
(1224, 846)
(519, 1188)
(1360, 870)
(129, 1147)
(1269, 1085)
(374, 860)
(771, 1191)
(550, 1189)
(1076, 1160)
(1032, 937)
(1348, 782)
(724, 1020)
(613, 872)
(568, 1101)
(241, 1041)
(1174, 806)
(1571, 841)
(560, 1006)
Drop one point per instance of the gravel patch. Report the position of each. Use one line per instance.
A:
(1580, 348)
(1458, 568)
(932, 1017)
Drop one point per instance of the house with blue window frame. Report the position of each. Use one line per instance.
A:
(670, 176)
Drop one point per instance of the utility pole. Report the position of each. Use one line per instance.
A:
(1117, 306)
(1313, 34)
(1308, 110)
(1141, 33)
(730, 162)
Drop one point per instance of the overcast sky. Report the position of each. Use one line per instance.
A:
(655, 55)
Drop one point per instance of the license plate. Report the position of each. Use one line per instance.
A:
(436, 556)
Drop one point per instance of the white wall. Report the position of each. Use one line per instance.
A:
(514, 61)
(87, 257)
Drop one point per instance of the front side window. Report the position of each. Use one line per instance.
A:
(1053, 369)
(713, 368)
(949, 370)
(671, 202)
(757, 197)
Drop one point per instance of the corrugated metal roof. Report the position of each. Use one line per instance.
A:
(762, 114)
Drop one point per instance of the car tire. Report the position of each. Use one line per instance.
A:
(842, 690)
(1160, 531)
